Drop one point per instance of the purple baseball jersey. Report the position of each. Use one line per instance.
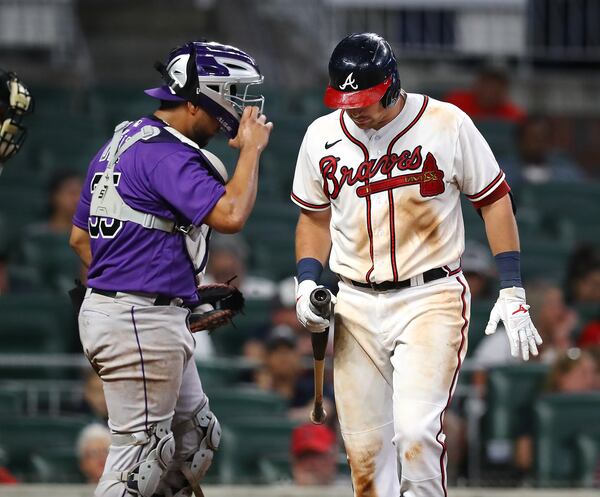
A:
(163, 176)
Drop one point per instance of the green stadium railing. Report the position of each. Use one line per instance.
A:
(563, 422)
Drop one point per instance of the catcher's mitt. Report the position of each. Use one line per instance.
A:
(219, 303)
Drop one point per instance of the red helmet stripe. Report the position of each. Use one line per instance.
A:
(337, 99)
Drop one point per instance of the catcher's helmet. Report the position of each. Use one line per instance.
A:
(362, 71)
(212, 76)
(15, 103)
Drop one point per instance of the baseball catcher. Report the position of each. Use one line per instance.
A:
(153, 196)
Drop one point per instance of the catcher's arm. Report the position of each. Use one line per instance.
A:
(80, 243)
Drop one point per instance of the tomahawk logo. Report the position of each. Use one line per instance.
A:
(349, 82)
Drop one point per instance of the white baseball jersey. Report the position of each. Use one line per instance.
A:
(394, 192)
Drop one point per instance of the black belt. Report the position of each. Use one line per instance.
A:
(432, 274)
(160, 299)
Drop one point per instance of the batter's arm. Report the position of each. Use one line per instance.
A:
(501, 226)
(313, 238)
(511, 307)
(80, 243)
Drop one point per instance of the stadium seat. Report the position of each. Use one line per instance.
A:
(36, 323)
(21, 437)
(247, 402)
(52, 257)
(279, 468)
(474, 226)
(510, 388)
(480, 314)
(545, 259)
(229, 340)
(587, 446)
(21, 205)
(246, 442)
(11, 403)
(576, 204)
(561, 422)
(56, 465)
(500, 135)
(221, 372)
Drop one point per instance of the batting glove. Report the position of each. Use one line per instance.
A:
(514, 313)
(307, 318)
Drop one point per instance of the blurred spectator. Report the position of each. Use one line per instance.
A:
(6, 478)
(488, 98)
(594, 353)
(15, 282)
(574, 371)
(554, 320)
(229, 259)
(94, 395)
(478, 267)
(536, 161)
(228, 262)
(313, 450)
(583, 285)
(282, 366)
(93, 402)
(64, 191)
(590, 335)
(283, 312)
(4, 278)
(282, 373)
(92, 450)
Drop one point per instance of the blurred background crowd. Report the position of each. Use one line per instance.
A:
(526, 71)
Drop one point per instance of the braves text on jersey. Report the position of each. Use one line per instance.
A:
(394, 192)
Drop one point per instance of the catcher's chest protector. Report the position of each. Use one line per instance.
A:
(107, 202)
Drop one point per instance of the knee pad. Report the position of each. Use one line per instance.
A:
(143, 478)
(209, 431)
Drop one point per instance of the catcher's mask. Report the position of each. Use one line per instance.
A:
(15, 103)
(212, 76)
(362, 71)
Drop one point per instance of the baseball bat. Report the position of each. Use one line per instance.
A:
(320, 304)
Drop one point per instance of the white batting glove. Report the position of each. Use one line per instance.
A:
(514, 313)
(307, 318)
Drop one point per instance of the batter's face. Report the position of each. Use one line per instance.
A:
(374, 116)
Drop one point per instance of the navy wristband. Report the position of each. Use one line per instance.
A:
(509, 269)
(309, 269)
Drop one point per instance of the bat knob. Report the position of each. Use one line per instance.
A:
(318, 415)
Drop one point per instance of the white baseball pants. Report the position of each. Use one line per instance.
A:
(144, 355)
(396, 362)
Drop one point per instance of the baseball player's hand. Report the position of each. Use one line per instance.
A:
(253, 132)
(310, 320)
(514, 313)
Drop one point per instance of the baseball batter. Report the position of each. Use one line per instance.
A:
(142, 226)
(378, 182)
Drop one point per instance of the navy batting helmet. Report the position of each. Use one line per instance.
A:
(212, 76)
(362, 71)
